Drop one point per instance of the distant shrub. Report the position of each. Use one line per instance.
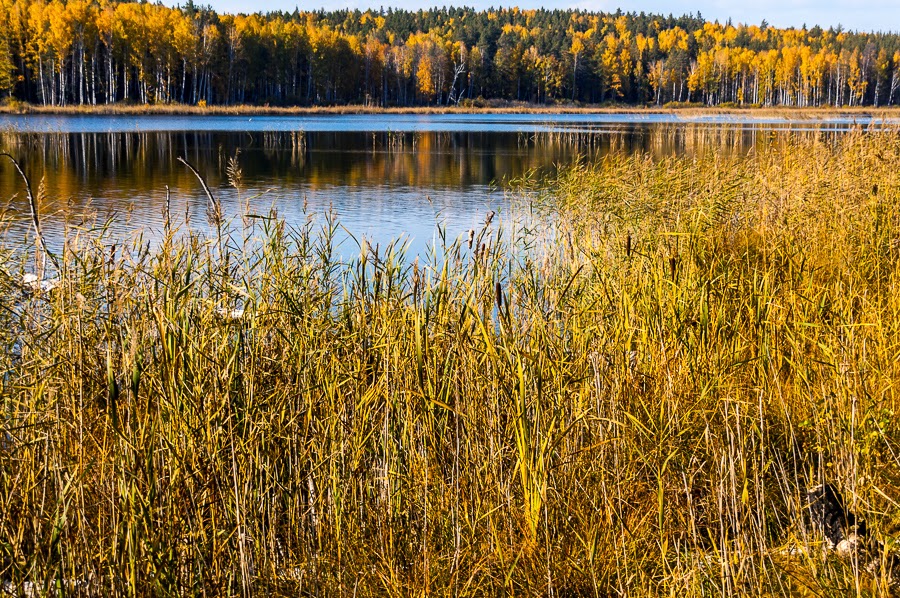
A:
(11, 104)
(681, 105)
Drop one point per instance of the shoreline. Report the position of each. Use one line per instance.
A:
(251, 110)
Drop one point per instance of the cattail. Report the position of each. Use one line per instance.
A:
(632, 356)
(471, 237)
(168, 206)
(628, 245)
(498, 295)
(489, 218)
(673, 263)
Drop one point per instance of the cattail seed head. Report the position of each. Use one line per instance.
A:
(166, 214)
(628, 245)
(632, 356)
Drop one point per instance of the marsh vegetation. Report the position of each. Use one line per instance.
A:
(630, 396)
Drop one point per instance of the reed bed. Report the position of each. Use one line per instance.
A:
(631, 400)
(487, 107)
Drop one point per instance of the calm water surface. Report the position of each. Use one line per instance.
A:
(381, 177)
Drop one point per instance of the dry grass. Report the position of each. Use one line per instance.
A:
(631, 403)
(491, 107)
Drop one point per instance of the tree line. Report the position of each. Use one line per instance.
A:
(63, 52)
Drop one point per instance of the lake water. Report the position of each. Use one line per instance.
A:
(381, 176)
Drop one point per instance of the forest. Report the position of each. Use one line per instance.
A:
(91, 52)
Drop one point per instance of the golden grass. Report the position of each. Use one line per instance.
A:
(631, 402)
(491, 107)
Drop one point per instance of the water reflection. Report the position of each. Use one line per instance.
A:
(472, 123)
(380, 184)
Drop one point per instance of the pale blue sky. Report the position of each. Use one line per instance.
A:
(869, 15)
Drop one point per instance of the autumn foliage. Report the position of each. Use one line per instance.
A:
(99, 51)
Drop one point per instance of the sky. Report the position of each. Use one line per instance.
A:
(865, 15)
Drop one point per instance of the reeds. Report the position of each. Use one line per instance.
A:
(632, 401)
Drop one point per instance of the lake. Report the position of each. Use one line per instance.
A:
(380, 176)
